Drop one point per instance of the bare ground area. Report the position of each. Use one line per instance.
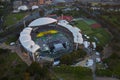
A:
(107, 51)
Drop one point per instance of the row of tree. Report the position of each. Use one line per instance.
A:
(80, 73)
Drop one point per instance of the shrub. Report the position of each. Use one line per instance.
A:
(113, 67)
(105, 72)
(72, 57)
(79, 71)
(39, 72)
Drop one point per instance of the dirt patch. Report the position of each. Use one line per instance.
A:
(107, 51)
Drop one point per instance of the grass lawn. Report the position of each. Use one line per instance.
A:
(101, 34)
(13, 18)
(72, 76)
(73, 73)
(12, 66)
(11, 39)
(86, 29)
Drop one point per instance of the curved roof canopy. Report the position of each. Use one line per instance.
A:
(27, 42)
(25, 38)
(75, 31)
(42, 21)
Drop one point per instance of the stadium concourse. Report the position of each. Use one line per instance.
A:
(46, 38)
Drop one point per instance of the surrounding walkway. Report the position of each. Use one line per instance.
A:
(16, 48)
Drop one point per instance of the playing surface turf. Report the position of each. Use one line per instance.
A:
(47, 41)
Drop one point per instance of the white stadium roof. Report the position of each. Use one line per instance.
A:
(28, 44)
(26, 41)
(26, 31)
(75, 31)
(42, 21)
(25, 38)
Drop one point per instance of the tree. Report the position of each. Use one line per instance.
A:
(41, 12)
(39, 72)
(70, 58)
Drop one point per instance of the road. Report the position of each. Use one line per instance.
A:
(94, 64)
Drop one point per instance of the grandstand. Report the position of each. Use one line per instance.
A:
(48, 38)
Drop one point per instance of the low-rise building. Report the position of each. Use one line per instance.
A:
(16, 4)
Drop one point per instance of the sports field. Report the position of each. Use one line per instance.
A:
(13, 18)
(48, 41)
(53, 42)
(99, 35)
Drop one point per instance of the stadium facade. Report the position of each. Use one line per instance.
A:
(47, 38)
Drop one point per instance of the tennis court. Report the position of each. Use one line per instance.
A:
(99, 33)
(89, 21)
